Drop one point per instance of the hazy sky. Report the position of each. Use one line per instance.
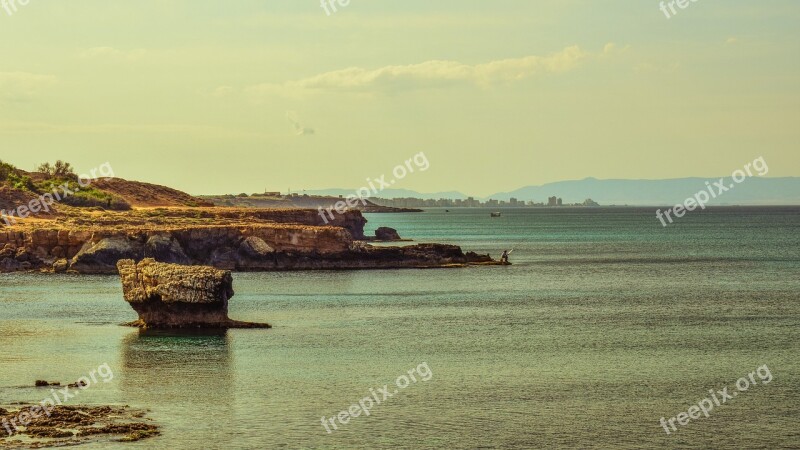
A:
(233, 96)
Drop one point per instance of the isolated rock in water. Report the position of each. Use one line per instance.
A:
(175, 296)
(387, 234)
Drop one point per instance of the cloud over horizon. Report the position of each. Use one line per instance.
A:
(113, 53)
(432, 74)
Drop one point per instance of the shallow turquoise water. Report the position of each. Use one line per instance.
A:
(606, 323)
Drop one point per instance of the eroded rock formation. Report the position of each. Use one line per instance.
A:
(387, 234)
(175, 296)
(229, 239)
(26, 426)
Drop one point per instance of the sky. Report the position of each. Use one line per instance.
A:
(216, 97)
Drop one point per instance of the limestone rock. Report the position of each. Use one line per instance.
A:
(255, 247)
(163, 248)
(9, 265)
(473, 257)
(176, 296)
(224, 258)
(386, 234)
(8, 251)
(60, 265)
(102, 256)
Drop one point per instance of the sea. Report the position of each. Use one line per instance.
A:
(606, 323)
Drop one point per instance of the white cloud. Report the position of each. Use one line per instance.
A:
(432, 74)
(113, 53)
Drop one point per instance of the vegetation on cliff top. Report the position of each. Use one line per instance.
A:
(59, 178)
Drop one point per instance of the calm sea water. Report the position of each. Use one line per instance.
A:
(605, 323)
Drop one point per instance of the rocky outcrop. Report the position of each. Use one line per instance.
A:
(387, 234)
(255, 247)
(29, 426)
(176, 296)
(229, 239)
(239, 249)
(102, 256)
(365, 256)
(13, 259)
(475, 258)
(165, 248)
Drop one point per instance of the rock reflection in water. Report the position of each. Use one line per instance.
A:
(190, 372)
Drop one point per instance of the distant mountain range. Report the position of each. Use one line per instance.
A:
(751, 191)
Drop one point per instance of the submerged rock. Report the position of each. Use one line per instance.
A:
(36, 426)
(175, 296)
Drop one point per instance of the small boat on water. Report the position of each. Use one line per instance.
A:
(496, 214)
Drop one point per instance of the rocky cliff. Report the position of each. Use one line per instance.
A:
(230, 239)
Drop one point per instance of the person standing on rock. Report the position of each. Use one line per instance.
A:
(504, 256)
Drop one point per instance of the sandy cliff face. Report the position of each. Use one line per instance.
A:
(225, 246)
(253, 240)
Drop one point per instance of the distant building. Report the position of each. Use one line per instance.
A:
(470, 202)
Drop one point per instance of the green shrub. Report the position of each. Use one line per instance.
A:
(5, 170)
(87, 196)
(11, 175)
(60, 169)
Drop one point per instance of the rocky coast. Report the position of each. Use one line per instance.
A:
(238, 239)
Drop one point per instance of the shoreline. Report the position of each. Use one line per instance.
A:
(236, 239)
